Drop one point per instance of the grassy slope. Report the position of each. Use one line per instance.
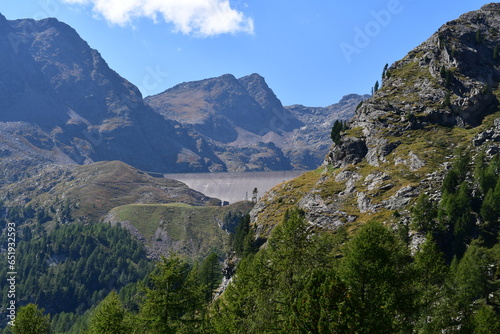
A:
(93, 190)
(433, 144)
(189, 230)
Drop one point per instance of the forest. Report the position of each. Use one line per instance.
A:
(360, 279)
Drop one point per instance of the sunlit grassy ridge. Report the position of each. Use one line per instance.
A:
(189, 230)
(92, 190)
(433, 144)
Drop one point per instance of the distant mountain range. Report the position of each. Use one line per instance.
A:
(246, 125)
(60, 102)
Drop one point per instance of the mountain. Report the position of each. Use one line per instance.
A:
(400, 226)
(242, 119)
(221, 108)
(54, 84)
(93, 190)
(443, 96)
(397, 231)
(310, 142)
(51, 80)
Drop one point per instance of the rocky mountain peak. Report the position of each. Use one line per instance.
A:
(449, 80)
(247, 103)
(258, 89)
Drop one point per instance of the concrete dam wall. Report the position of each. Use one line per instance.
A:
(234, 187)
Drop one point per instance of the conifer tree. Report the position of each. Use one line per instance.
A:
(31, 320)
(109, 317)
(376, 270)
(490, 212)
(173, 298)
(430, 272)
(479, 37)
(472, 282)
(210, 275)
(337, 128)
(384, 72)
(423, 213)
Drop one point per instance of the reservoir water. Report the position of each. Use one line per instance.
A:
(234, 187)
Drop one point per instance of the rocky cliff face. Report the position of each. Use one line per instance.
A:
(443, 95)
(311, 141)
(51, 79)
(449, 80)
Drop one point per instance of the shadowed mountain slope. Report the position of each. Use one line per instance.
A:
(51, 79)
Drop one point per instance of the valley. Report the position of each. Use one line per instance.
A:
(213, 208)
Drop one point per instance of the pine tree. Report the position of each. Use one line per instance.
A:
(424, 213)
(337, 128)
(486, 321)
(31, 320)
(447, 100)
(243, 240)
(210, 275)
(384, 72)
(109, 317)
(472, 282)
(173, 298)
(480, 172)
(490, 212)
(430, 273)
(325, 305)
(255, 194)
(376, 270)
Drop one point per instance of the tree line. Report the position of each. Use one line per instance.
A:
(304, 280)
(308, 281)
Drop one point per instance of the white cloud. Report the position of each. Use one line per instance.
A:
(196, 17)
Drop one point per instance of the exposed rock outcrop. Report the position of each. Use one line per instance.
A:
(448, 80)
(400, 141)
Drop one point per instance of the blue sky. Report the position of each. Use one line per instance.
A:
(310, 52)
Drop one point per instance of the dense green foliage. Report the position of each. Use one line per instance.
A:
(308, 281)
(68, 268)
(31, 320)
(109, 317)
(469, 207)
(300, 284)
(302, 280)
(337, 128)
(74, 266)
(242, 240)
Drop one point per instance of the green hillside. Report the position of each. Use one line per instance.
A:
(185, 229)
